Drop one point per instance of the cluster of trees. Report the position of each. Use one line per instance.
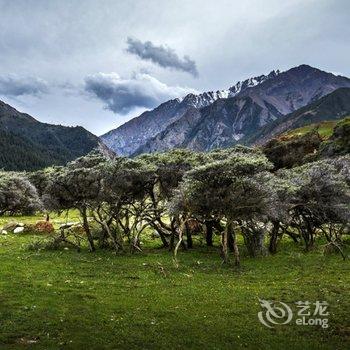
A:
(180, 193)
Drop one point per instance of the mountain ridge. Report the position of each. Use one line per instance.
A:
(28, 144)
(127, 138)
(227, 116)
(229, 121)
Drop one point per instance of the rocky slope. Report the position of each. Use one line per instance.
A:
(325, 139)
(129, 137)
(333, 106)
(27, 144)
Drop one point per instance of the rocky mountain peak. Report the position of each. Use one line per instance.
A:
(251, 82)
(204, 99)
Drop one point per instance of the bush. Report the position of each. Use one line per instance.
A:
(17, 195)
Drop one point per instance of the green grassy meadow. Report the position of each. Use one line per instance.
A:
(68, 300)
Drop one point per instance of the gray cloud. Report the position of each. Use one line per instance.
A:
(123, 95)
(15, 86)
(231, 40)
(161, 55)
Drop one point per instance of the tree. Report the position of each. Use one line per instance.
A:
(170, 168)
(321, 198)
(225, 189)
(40, 179)
(76, 186)
(291, 152)
(17, 195)
(122, 203)
(280, 193)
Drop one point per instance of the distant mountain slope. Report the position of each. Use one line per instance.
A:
(218, 125)
(333, 106)
(339, 142)
(324, 129)
(131, 136)
(27, 144)
(240, 118)
(311, 142)
(127, 138)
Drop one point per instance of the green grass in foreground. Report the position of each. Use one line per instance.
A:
(69, 300)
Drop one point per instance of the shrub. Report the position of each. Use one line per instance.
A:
(17, 195)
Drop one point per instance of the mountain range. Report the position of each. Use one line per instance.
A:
(27, 144)
(251, 112)
(223, 118)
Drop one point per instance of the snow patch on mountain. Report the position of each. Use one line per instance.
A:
(207, 98)
(248, 83)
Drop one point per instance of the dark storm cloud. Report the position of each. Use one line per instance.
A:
(122, 95)
(161, 55)
(14, 86)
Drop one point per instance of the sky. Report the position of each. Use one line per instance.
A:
(99, 63)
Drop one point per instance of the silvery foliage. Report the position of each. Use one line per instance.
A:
(17, 194)
(232, 187)
(321, 190)
(74, 185)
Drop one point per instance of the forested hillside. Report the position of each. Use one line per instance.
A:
(27, 144)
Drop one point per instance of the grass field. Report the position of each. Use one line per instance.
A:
(70, 300)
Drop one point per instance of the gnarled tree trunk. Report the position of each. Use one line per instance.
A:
(209, 233)
(274, 235)
(230, 234)
(188, 236)
(87, 228)
(254, 240)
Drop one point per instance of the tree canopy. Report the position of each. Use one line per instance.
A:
(181, 193)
